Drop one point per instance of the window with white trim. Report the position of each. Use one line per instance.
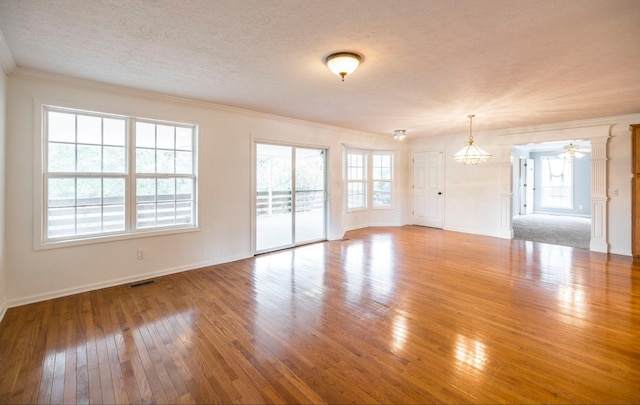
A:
(95, 184)
(369, 177)
(356, 180)
(556, 182)
(382, 179)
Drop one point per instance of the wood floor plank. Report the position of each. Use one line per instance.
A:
(388, 315)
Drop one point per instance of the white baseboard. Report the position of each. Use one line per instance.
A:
(473, 232)
(3, 310)
(362, 226)
(110, 283)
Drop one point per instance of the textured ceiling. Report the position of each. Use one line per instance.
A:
(427, 63)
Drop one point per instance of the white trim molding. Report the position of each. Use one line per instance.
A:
(3, 310)
(599, 196)
(506, 193)
(599, 136)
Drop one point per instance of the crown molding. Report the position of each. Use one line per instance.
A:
(559, 126)
(86, 84)
(7, 61)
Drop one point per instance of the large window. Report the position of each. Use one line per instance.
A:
(382, 179)
(356, 180)
(95, 184)
(369, 177)
(556, 182)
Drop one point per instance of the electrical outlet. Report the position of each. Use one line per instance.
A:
(613, 193)
(140, 254)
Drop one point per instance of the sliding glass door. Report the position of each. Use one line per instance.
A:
(290, 196)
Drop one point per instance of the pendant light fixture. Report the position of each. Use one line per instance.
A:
(471, 154)
(343, 63)
(571, 151)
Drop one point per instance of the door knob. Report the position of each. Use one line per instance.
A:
(439, 192)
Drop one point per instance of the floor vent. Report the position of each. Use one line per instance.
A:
(140, 284)
(344, 239)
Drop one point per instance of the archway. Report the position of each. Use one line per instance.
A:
(598, 136)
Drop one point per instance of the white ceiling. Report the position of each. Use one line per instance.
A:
(427, 63)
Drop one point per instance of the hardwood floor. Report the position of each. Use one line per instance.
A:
(392, 315)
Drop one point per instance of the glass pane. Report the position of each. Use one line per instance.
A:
(556, 182)
(184, 138)
(89, 191)
(165, 137)
(165, 161)
(184, 189)
(385, 174)
(273, 208)
(113, 159)
(382, 186)
(114, 132)
(355, 188)
(89, 158)
(166, 214)
(62, 157)
(381, 199)
(61, 127)
(113, 218)
(309, 169)
(145, 135)
(62, 192)
(145, 161)
(145, 190)
(89, 220)
(61, 222)
(377, 172)
(355, 192)
(145, 215)
(184, 162)
(113, 191)
(166, 190)
(310, 208)
(184, 212)
(356, 201)
(89, 129)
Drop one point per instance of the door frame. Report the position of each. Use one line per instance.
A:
(598, 136)
(440, 180)
(253, 181)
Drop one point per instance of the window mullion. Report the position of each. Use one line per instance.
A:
(131, 175)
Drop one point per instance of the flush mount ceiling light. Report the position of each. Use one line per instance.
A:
(471, 154)
(399, 134)
(343, 63)
(571, 151)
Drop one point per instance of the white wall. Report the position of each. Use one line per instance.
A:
(225, 137)
(3, 171)
(472, 193)
(472, 201)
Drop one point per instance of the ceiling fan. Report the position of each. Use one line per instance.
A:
(571, 151)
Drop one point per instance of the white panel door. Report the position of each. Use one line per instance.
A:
(529, 186)
(428, 189)
(526, 186)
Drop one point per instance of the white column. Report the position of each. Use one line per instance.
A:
(599, 197)
(506, 192)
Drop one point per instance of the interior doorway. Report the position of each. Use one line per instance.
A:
(290, 196)
(554, 192)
